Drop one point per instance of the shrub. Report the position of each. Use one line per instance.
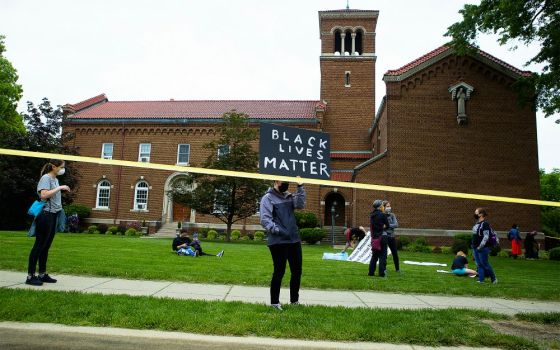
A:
(131, 232)
(82, 210)
(312, 235)
(503, 254)
(97, 232)
(244, 238)
(102, 228)
(203, 232)
(135, 225)
(446, 250)
(494, 251)
(251, 236)
(436, 250)
(461, 242)
(259, 236)
(91, 229)
(305, 219)
(122, 227)
(419, 245)
(221, 237)
(211, 234)
(554, 254)
(235, 234)
(113, 230)
(404, 241)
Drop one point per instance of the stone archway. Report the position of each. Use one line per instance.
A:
(173, 212)
(340, 209)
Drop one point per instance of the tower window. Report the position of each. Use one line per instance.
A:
(347, 42)
(337, 41)
(347, 79)
(359, 42)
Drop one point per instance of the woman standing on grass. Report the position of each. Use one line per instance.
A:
(49, 191)
(481, 246)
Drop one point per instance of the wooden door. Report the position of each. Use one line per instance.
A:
(181, 212)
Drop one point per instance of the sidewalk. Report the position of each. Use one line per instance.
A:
(260, 295)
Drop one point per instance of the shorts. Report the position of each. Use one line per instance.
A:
(460, 272)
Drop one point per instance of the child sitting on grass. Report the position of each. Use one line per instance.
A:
(460, 266)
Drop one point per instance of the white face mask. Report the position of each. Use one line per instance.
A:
(61, 172)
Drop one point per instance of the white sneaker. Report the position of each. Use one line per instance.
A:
(220, 254)
(277, 307)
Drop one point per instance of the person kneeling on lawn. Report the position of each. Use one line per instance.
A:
(460, 266)
(182, 244)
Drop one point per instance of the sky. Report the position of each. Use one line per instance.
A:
(69, 51)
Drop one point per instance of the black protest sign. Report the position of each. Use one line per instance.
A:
(294, 152)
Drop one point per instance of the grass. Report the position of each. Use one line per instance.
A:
(428, 327)
(250, 264)
(551, 318)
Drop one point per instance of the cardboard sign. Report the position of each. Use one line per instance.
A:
(294, 152)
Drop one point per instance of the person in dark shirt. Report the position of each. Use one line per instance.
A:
(353, 236)
(184, 241)
(460, 266)
(531, 246)
(378, 225)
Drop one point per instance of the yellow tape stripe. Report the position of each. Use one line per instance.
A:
(330, 183)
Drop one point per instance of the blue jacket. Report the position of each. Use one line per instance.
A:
(277, 215)
(60, 224)
(393, 223)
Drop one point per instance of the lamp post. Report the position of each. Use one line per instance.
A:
(333, 213)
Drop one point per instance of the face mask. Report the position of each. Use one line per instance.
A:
(61, 172)
(388, 210)
(283, 187)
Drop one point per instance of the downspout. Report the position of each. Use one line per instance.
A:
(119, 176)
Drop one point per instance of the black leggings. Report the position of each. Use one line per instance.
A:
(281, 253)
(45, 228)
(380, 255)
(392, 244)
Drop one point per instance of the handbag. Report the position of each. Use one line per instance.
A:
(376, 243)
(36, 208)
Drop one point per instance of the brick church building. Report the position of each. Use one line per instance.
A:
(447, 122)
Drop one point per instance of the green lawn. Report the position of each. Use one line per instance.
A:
(430, 327)
(250, 264)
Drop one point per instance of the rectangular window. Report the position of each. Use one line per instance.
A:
(107, 151)
(144, 152)
(223, 150)
(219, 206)
(183, 154)
(347, 79)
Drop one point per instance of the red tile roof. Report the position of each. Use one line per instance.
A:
(198, 109)
(89, 102)
(342, 175)
(440, 50)
(350, 155)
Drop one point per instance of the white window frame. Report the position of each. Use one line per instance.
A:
(142, 156)
(103, 150)
(217, 209)
(222, 154)
(188, 154)
(101, 186)
(141, 206)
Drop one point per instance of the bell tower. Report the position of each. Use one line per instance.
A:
(348, 76)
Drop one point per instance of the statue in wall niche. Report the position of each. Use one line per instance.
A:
(461, 97)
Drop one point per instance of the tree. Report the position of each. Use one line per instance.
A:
(550, 191)
(229, 199)
(10, 94)
(527, 21)
(19, 175)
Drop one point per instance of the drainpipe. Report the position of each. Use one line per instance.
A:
(119, 188)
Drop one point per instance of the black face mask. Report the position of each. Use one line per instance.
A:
(475, 217)
(283, 187)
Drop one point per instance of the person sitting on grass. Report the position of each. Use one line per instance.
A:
(460, 266)
(183, 242)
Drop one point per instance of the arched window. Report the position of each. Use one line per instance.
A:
(359, 49)
(348, 42)
(337, 41)
(103, 194)
(141, 196)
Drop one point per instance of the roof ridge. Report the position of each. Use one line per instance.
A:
(132, 101)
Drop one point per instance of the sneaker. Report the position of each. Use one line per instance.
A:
(34, 281)
(277, 307)
(495, 281)
(481, 282)
(46, 278)
(295, 303)
(220, 254)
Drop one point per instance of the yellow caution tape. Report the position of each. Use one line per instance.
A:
(219, 172)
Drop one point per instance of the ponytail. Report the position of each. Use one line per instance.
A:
(48, 167)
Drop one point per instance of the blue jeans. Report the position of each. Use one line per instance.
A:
(484, 267)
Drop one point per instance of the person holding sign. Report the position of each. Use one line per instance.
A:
(278, 218)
